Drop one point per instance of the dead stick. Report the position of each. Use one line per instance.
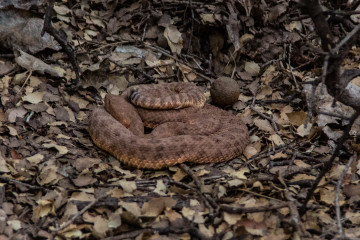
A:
(57, 36)
(208, 202)
(71, 220)
(230, 209)
(328, 164)
(8, 180)
(337, 204)
(295, 219)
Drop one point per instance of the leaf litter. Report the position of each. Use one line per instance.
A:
(58, 185)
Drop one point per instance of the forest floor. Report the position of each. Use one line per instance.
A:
(56, 184)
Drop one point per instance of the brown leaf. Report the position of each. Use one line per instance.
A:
(264, 124)
(156, 206)
(297, 118)
(174, 38)
(84, 180)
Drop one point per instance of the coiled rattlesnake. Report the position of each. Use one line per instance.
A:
(186, 129)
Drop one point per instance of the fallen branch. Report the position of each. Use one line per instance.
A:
(295, 219)
(73, 218)
(61, 40)
(208, 202)
(328, 164)
(331, 77)
(32, 187)
(231, 209)
(337, 204)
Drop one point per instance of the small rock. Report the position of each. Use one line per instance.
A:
(224, 91)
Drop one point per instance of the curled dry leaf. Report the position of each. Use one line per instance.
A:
(252, 68)
(12, 114)
(35, 159)
(297, 118)
(100, 224)
(5, 67)
(44, 208)
(35, 97)
(48, 175)
(233, 28)
(12, 131)
(32, 63)
(156, 206)
(3, 165)
(264, 124)
(207, 18)
(304, 130)
(61, 149)
(174, 38)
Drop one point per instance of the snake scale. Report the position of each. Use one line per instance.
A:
(185, 128)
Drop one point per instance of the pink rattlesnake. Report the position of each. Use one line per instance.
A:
(186, 129)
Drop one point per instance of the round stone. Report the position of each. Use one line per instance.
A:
(224, 91)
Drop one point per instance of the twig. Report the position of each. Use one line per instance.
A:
(291, 68)
(343, 13)
(151, 183)
(178, 60)
(192, 25)
(328, 164)
(268, 152)
(200, 187)
(262, 67)
(337, 204)
(144, 32)
(26, 80)
(190, 172)
(18, 95)
(231, 209)
(129, 235)
(52, 31)
(8, 180)
(150, 78)
(288, 99)
(273, 123)
(73, 218)
(183, 2)
(335, 52)
(332, 62)
(345, 39)
(334, 115)
(257, 194)
(295, 219)
(177, 230)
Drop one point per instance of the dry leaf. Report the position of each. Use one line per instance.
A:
(252, 68)
(174, 38)
(264, 124)
(276, 139)
(32, 63)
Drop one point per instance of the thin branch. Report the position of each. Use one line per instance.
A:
(337, 194)
(61, 40)
(295, 218)
(328, 164)
(73, 218)
(231, 209)
(32, 187)
(208, 202)
(346, 39)
(273, 123)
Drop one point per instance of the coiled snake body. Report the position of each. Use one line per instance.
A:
(185, 128)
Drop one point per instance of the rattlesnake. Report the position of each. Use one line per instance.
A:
(186, 129)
